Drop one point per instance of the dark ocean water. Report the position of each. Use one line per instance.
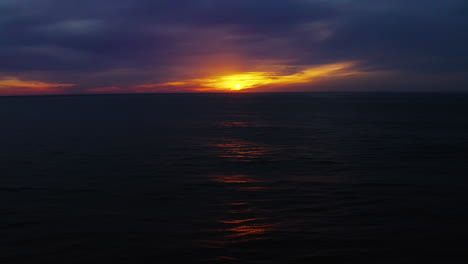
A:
(232, 178)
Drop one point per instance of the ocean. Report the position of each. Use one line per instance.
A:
(232, 178)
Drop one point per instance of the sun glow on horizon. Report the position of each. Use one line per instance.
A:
(249, 80)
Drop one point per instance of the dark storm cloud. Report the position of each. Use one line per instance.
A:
(245, 15)
(429, 41)
(109, 43)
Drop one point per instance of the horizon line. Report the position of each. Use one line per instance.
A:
(233, 93)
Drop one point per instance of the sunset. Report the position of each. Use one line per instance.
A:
(249, 81)
(233, 131)
(84, 47)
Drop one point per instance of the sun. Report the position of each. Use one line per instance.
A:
(279, 77)
(236, 87)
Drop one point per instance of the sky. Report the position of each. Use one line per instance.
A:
(149, 46)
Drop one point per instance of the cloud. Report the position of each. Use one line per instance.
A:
(13, 86)
(282, 77)
(123, 43)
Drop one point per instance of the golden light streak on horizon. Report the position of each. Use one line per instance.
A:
(248, 80)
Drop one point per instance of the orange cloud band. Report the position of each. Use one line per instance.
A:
(13, 85)
(250, 80)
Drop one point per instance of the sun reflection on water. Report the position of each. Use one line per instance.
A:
(253, 188)
(234, 124)
(242, 221)
(240, 150)
(251, 229)
(241, 203)
(239, 221)
(234, 179)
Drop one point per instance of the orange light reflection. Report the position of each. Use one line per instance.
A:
(239, 221)
(253, 229)
(241, 150)
(234, 179)
(238, 124)
(255, 188)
